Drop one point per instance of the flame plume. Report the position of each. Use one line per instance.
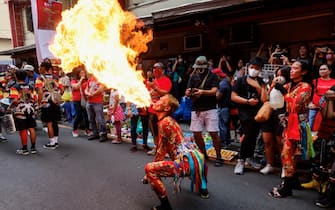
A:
(107, 40)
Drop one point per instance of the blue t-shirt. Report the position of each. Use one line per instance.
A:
(225, 90)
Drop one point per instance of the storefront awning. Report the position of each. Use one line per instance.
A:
(19, 50)
(194, 8)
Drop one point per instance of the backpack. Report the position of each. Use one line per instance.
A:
(52, 93)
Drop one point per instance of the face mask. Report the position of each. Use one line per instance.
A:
(253, 72)
(280, 79)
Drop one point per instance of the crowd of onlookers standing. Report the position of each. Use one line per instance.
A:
(286, 102)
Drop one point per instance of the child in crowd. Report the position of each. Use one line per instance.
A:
(134, 114)
(116, 113)
(24, 112)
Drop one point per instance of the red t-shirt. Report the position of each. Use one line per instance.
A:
(163, 83)
(321, 88)
(76, 96)
(93, 85)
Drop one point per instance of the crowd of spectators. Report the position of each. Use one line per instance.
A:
(221, 96)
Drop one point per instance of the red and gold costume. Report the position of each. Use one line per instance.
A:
(185, 160)
(297, 100)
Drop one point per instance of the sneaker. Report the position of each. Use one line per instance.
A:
(204, 193)
(93, 137)
(75, 134)
(3, 139)
(325, 202)
(57, 145)
(22, 152)
(239, 168)
(133, 149)
(152, 152)
(268, 169)
(33, 150)
(88, 133)
(103, 138)
(218, 163)
(50, 146)
(251, 163)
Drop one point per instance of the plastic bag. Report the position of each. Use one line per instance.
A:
(276, 99)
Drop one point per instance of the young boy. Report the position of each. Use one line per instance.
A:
(22, 106)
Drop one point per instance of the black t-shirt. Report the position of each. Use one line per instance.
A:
(244, 90)
(204, 103)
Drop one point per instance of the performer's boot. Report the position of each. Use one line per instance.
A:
(165, 204)
(285, 188)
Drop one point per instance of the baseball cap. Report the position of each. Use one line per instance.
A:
(28, 68)
(158, 65)
(257, 61)
(200, 63)
(219, 72)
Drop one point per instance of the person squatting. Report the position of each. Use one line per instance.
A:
(186, 159)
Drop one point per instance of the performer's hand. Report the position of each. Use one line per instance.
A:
(145, 180)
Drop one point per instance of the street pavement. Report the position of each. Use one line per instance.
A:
(84, 174)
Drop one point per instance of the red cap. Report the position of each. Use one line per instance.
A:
(219, 72)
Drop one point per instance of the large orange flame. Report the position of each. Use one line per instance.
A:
(107, 40)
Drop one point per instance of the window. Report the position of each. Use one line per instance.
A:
(241, 33)
(29, 19)
(193, 42)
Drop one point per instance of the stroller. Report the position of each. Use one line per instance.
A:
(6, 119)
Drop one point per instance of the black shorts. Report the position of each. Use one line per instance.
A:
(24, 124)
(51, 113)
(273, 125)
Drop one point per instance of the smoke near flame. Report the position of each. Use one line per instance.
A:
(107, 40)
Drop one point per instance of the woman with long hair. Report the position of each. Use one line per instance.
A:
(78, 85)
(271, 129)
(296, 128)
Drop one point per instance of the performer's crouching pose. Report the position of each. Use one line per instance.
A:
(186, 159)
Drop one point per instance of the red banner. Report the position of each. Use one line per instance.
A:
(49, 14)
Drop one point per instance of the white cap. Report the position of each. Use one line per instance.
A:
(28, 68)
(11, 66)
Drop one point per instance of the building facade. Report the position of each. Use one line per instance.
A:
(233, 27)
(22, 31)
(5, 35)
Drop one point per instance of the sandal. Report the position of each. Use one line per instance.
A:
(280, 192)
(116, 142)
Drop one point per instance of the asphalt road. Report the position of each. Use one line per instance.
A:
(83, 174)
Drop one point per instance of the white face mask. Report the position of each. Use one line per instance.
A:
(253, 72)
(280, 79)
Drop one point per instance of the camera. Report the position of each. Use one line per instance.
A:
(192, 91)
(277, 54)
